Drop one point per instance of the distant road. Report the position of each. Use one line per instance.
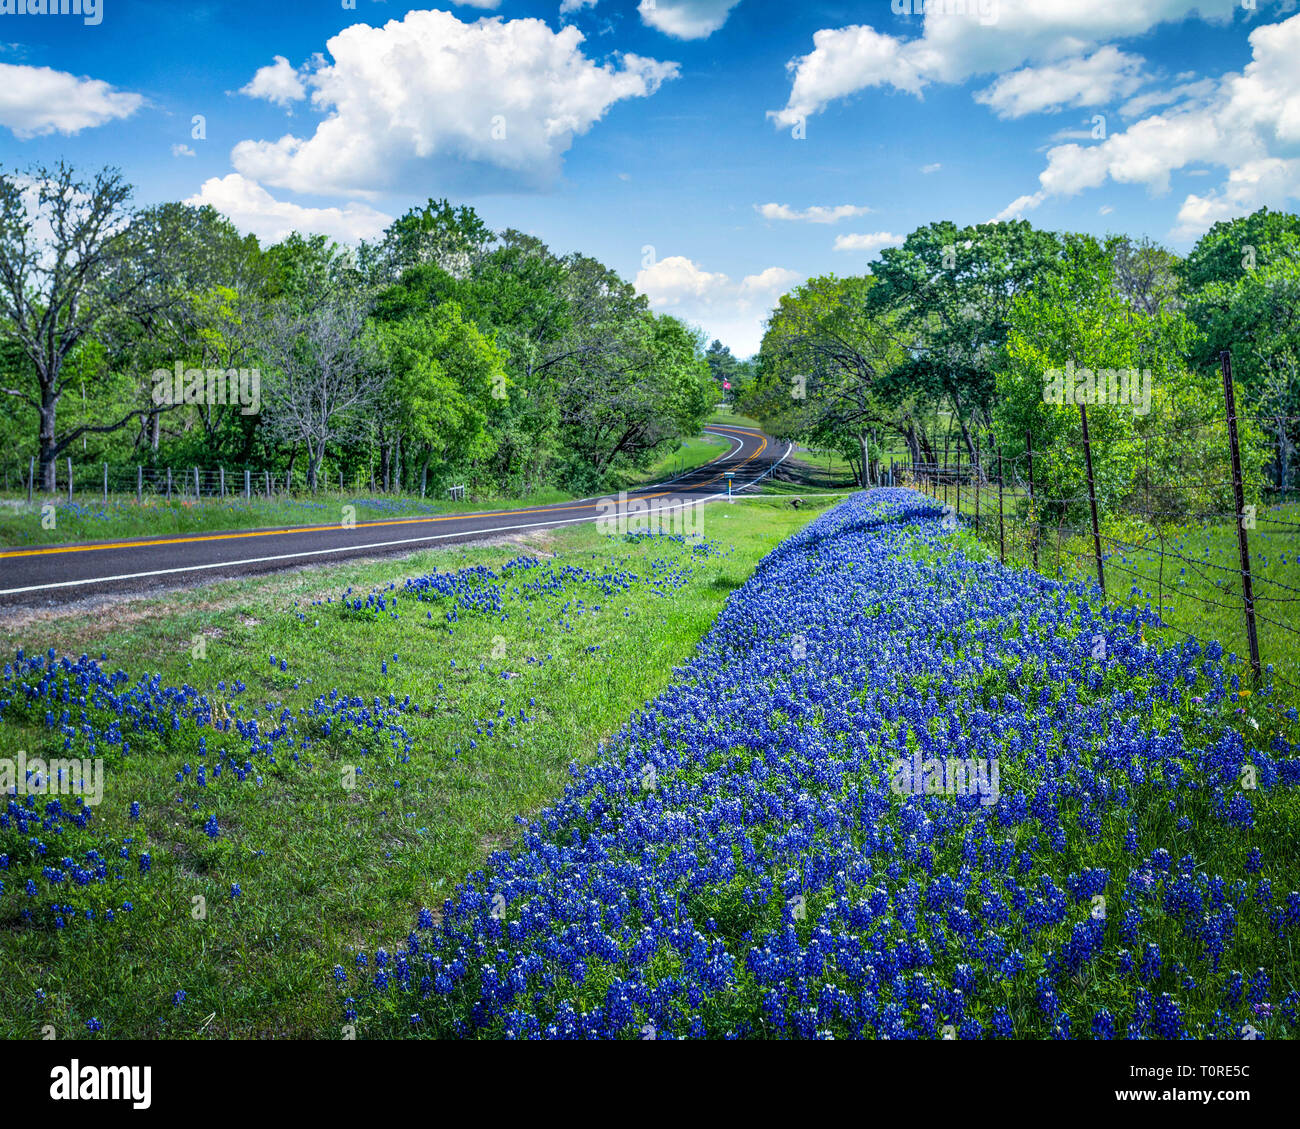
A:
(60, 573)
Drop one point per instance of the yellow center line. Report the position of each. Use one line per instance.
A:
(196, 538)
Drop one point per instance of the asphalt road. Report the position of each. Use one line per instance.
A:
(51, 574)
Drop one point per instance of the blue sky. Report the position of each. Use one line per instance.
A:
(716, 151)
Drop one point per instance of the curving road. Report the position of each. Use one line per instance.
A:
(61, 573)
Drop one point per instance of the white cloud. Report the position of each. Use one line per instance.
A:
(489, 105)
(1249, 125)
(928, 169)
(870, 243)
(278, 83)
(686, 19)
(567, 6)
(488, 5)
(1105, 210)
(731, 311)
(1018, 207)
(815, 214)
(183, 151)
(251, 208)
(35, 101)
(1082, 81)
(956, 45)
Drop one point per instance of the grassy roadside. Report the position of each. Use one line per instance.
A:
(253, 889)
(91, 519)
(1188, 575)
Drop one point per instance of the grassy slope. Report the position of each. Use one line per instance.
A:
(89, 519)
(320, 868)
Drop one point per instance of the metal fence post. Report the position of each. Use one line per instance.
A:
(248, 483)
(197, 492)
(959, 481)
(139, 483)
(1002, 543)
(1243, 546)
(1033, 516)
(978, 477)
(223, 481)
(31, 479)
(69, 480)
(1092, 498)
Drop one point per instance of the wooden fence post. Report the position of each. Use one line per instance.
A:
(169, 484)
(69, 480)
(31, 479)
(139, 483)
(1238, 493)
(197, 491)
(106, 484)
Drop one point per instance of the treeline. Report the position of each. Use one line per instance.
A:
(443, 352)
(1000, 329)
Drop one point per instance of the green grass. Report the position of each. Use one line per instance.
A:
(123, 516)
(323, 869)
(1189, 575)
(691, 454)
(724, 415)
(89, 518)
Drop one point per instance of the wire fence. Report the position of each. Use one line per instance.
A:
(105, 482)
(1210, 563)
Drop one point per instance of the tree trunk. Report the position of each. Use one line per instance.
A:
(48, 452)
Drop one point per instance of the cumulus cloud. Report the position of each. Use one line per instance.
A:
(815, 214)
(35, 101)
(1093, 80)
(869, 242)
(686, 19)
(959, 41)
(731, 311)
(1250, 125)
(928, 169)
(278, 83)
(183, 151)
(252, 208)
(489, 105)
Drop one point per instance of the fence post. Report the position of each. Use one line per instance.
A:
(139, 483)
(248, 484)
(197, 492)
(945, 470)
(1092, 498)
(169, 484)
(223, 481)
(1033, 516)
(69, 480)
(31, 479)
(958, 484)
(268, 485)
(1247, 583)
(1002, 543)
(978, 481)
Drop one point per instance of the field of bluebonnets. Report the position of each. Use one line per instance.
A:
(747, 858)
(781, 844)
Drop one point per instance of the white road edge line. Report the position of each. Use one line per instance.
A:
(358, 548)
